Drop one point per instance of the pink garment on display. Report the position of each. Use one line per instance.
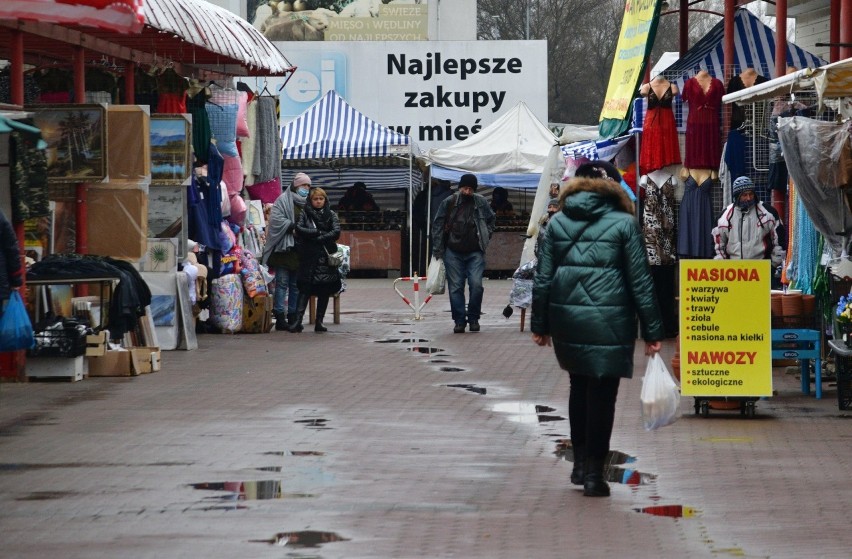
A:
(703, 132)
(242, 123)
(238, 209)
(232, 174)
(267, 192)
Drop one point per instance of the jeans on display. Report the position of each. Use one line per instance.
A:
(286, 298)
(591, 413)
(463, 267)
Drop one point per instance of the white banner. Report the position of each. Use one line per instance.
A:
(439, 93)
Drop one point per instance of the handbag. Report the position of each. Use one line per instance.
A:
(335, 258)
(436, 277)
(660, 395)
(16, 331)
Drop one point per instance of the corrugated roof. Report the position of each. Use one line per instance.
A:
(189, 33)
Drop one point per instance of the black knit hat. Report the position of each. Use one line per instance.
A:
(469, 180)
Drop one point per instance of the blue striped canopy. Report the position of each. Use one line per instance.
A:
(754, 46)
(332, 129)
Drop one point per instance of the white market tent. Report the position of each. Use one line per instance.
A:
(510, 152)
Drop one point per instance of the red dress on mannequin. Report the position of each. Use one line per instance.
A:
(659, 146)
(703, 133)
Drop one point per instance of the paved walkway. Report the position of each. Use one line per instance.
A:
(367, 450)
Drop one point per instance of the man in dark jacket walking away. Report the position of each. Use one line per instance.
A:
(460, 234)
(591, 283)
(11, 271)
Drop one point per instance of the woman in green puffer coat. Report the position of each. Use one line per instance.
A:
(592, 282)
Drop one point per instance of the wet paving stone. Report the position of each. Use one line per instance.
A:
(470, 388)
(307, 538)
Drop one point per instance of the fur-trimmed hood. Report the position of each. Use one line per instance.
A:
(585, 197)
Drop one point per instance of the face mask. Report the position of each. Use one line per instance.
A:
(302, 191)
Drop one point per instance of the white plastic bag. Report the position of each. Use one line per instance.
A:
(436, 277)
(660, 395)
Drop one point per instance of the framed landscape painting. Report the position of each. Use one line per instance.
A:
(171, 140)
(75, 136)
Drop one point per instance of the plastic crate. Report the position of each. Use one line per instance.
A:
(68, 341)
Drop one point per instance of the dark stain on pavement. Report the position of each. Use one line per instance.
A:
(307, 538)
(46, 495)
(469, 387)
(317, 423)
(450, 369)
(402, 341)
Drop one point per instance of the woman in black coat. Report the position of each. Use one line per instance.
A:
(11, 271)
(316, 234)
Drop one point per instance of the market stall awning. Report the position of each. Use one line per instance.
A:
(829, 81)
(123, 16)
(189, 34)
(331, 129)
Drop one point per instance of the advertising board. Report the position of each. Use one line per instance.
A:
(439, 93)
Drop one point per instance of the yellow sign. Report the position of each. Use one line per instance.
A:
(725, 328)
(639, 23)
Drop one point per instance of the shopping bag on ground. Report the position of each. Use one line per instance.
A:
(436, 277)
(16, 331)
(660, 395)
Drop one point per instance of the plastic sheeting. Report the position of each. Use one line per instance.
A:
(812, 150)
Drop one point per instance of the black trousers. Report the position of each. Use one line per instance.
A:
(664, 286)
(591, 412)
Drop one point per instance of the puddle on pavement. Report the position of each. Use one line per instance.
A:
(449, 369)
(439, 361)
(402, 341)
(425, 349)
(306, 538)
(46, 495)
(522, 412)
(612, 471)
(276, 469)
(469, 387)
(314, 423)
(672, 511)
(294, 453)
(248, 490)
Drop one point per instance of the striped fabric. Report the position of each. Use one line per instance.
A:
(331, 128)
(595, 150)
(754, 46)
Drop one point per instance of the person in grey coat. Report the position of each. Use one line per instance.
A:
(592, 281)
(460, 235)
(11, 271)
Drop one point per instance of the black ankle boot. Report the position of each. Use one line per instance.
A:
(291, 319)
(594, 484)
(579, 463)
(280, 321)
(322, 305)
(300, 313)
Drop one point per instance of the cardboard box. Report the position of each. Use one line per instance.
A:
(112, 364)
(96, 345)
(146, 359)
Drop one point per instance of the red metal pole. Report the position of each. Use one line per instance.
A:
(780, 38)
(728, 49)
(130, 83)
(846, 29)
(13, 363)
(834, 31)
